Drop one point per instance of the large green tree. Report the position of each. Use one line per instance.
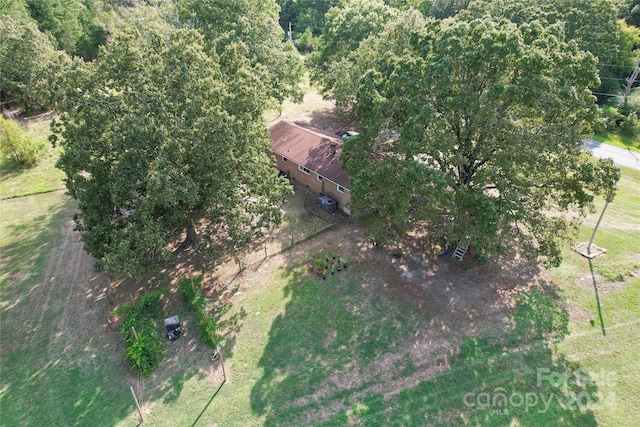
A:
(593, 25)
(247, 29)
(473, 130)
(159, 142)
(27, 58)
(346, 25)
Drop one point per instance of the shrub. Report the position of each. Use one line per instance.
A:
(17, 144)
(630, 125)
(632, 103)
(144, 353)
(199, 307)
(306, 42)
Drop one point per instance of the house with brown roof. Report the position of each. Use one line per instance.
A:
(311, 158)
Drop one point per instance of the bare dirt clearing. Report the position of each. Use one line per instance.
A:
(315, 111)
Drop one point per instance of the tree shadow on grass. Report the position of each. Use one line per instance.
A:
(9, 169)
(338, 355)
(595, 289)
(57, 366)
(31, 240)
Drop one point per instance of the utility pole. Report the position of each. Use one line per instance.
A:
(630, 80)
(597, 225)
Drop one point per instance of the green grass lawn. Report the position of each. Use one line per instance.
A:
(612, 305)
(55, 368)
(286, 369)
(301, 341)
(16, 181)
(307, 351)
(303, 337)
(618, 141)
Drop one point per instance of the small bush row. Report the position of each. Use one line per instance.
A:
(144, 353)
(199, 307)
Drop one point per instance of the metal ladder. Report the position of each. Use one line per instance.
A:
(460, 251)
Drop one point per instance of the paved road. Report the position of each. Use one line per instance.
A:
(620, 156)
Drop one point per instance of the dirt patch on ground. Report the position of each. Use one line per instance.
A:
(27, 120)
(315, 111)
(458, 299)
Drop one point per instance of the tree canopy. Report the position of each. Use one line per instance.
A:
(473, 130)
(594, 25)
(158, 140)
(347, 25)
(247, 29)
(26, 59)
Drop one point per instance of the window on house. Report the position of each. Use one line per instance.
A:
(340, 189)
(319, 178)
(284, 159)
(303, 169)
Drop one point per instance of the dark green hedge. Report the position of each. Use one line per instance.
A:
(198, 305)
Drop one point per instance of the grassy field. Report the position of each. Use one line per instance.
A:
(604, 298)
(296, 362)
(44, 177)
(56, 366)
(300, 350)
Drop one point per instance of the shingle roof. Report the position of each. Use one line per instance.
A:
(310, 147)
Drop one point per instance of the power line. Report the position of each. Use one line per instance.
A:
(605, 94)
(615, 65)
(612, 78)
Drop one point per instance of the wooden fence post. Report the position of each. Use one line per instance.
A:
(224, 373)
(135, 399)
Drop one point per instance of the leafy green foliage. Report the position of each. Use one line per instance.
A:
(27, 58)
(631, 125)
(479, 125)
(593, 25)
(629, 10)
(199, 307)
(306, 42)
(159, 134)
(72, 23)
(441, 9)
(346, 26)
(304, 15)
(145, 352)
(245, 35)
(620, 115)
(17, 144)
